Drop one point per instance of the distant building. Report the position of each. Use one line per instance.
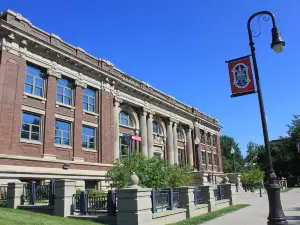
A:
(63, 112)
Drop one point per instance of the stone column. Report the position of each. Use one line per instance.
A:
(170, 143)
(189, 146)
(134, 206)
(208, 196)
(64, 191)
(150, 134)
(187, 200)
(14, 193)
(175, 143)
(49, 148)
(143, 129)
(117, 102)
(230, 192)
(77, 131)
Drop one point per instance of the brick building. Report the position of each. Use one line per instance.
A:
(63, 112)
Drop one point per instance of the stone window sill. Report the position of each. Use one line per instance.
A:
(25, 95)
(90, 113)
(31, 141)
(89, 150)
(121, 125)
(63, 146)
(65, 105)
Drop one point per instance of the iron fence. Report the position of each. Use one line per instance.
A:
(176, 198)
(219, 192)
(197, 196)
(3, 196)
(166, 199)
(38, 193)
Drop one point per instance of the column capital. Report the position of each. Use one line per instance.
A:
(80, 84)
(169, 123)
(117, 101)
(53, 73)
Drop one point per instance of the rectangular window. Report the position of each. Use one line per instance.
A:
(214, 140)
(215, 159)
(89, 96)
(64, 91)
(209, 158)
(34, 81)
(62, 132)
(202, 136)
(157, 155)
(88, 137)
(181, 158)
(124, 148)
(31, 127)
(203, 157)
(208, 141)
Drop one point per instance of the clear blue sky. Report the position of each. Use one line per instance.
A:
(180, 47)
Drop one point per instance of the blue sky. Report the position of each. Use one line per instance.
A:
(180, 47)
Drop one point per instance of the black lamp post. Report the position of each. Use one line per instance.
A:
(276, 215)
(233, 158)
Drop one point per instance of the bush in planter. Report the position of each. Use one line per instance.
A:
(96, 193)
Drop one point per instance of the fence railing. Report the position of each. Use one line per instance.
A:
(37, 193)
(3, 196)
(219, 192)
(197, 196)
(85, 203)
(166, 199)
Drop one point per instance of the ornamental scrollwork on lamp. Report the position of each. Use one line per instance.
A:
(257, 32)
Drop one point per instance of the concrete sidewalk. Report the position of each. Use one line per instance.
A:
(258, 210)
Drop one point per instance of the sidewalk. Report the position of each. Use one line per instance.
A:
(258, 210)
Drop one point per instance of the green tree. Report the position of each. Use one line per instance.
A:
(252, 176)
(227, 158)
(152, 173)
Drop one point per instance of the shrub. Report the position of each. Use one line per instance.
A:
(96, 193)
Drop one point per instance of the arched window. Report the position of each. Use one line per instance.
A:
(180, 136)
(156, 128)
(125, 119)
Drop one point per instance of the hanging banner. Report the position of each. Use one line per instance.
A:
(137, 138)
(298, 147)
(241, 79)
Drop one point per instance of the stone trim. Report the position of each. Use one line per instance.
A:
(66, 118)
(4, 156)
(30, 141)
(33, 110)
(63, 146)
(90, 124)
(25, 95)
(64, 105)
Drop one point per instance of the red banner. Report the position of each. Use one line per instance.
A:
(298, 147)
(137, 138)
(241, 79)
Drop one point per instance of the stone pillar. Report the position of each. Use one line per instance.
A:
(77, 131)
(134, 206)
(170, 143)
(80, 184)
(189, 146)
(14, 193)
(143, 129)
(208, 197)
(64, 191)
(49, 148)
(230, 192)
(117, 102)
(150, 134)
(175, 143)
(187, 200)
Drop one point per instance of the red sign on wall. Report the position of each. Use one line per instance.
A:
(241, 79)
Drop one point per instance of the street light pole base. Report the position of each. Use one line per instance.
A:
(276, 214)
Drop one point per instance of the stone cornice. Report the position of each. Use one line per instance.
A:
(22, 27)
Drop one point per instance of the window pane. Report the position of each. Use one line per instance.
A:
(35, 137)
(66, 134)
(91, 145)
(38, 91)
(124, 115)
(89, 92)
(92, 101)
(57, 140)
(85, 106)
(29, 79)
(62, 82)
(66, 141)
(35, 129)
(30, 118)
(88, 131)
(91, 139)
(85, 98)
(124, 122)
(38, 82)
(25, 127)
(68, 92)
(63, 125)
(60, 90)
(92, 108)
(35, 71)
(84, 144)
(84, 138)
(57, 133)
(24, 135)
(67, 101)
(59, 98)
(28, 88)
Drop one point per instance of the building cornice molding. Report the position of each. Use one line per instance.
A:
(54, 43)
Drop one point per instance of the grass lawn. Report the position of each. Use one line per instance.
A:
(17, 216)
(211, 215)
(287, 189)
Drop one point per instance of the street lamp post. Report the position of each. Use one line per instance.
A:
(233, 158)
(276, 215)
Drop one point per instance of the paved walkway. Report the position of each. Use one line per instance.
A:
(258, 210)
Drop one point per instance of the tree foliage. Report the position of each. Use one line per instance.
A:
(152, 173)
(227, 158)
